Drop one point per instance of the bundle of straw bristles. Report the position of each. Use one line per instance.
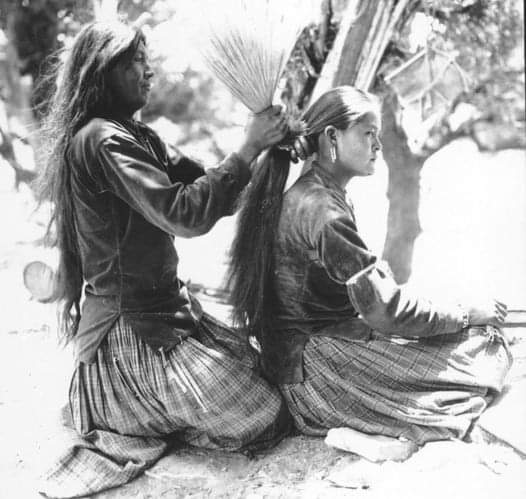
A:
(248, 47)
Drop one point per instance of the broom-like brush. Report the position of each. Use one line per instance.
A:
(248, 47)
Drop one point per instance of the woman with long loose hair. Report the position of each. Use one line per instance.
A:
(149, 362)
(352, 351)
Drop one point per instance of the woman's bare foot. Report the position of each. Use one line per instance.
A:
(373, 447)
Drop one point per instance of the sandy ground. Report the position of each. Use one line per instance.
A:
(34, 375)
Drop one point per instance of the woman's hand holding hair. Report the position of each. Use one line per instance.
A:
(263, 130)
(492, 312)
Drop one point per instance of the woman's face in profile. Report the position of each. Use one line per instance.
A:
(130, 82)
(358, 146)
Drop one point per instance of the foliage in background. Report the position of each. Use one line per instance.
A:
(182, 97)
(485, 37)
(488, 40)
(37, 29)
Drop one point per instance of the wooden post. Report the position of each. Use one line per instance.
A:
(365, 30)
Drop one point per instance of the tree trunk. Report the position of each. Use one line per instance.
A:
(17, 96)
(15, 108)
(366, 28)
(403, 193)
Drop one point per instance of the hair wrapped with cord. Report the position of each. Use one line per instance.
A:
(80, 93)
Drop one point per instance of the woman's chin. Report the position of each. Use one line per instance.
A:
(370, 171)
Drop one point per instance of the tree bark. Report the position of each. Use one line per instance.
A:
(366, 28)
(15, 106)
(403, 193)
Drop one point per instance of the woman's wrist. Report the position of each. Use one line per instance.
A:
(248, 152)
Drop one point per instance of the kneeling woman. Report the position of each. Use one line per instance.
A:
(347, 346)
(150, 362)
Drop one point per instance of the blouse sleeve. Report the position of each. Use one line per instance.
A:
(392, 309)
(341, 250)
(184, 210)
(384, 305)
(181, 168)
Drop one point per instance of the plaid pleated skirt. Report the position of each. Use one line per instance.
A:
(423, 390)
(204, 392)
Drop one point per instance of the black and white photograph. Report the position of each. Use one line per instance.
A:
(262, 249)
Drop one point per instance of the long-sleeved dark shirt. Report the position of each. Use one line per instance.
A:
(326, 282)
(130, 199)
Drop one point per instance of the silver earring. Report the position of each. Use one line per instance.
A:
(332, 151)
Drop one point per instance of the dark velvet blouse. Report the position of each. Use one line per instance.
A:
(327, 283)
(130, 199)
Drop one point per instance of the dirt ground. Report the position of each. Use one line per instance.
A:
(34, 375)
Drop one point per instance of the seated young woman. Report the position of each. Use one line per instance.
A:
(348, 347)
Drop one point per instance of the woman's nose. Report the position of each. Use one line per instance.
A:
(148, 72)
(377, 144)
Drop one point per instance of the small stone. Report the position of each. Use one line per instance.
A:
(375, 448)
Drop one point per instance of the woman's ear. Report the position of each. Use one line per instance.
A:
(330, 134)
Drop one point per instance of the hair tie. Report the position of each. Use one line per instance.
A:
(297, 126)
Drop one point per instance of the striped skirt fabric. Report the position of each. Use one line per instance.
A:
(204, 392)
(423, 390)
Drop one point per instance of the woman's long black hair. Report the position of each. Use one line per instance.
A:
(250, 275)
(251, 267)
(80, 93)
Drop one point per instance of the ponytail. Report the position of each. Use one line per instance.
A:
(251, 257)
